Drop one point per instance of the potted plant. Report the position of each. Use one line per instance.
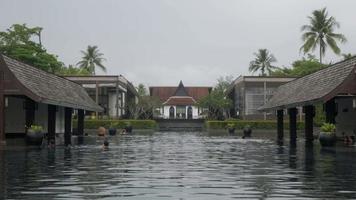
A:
(327, 135)
(247, 131)
(231, 128)
(128, 127)
(34, 135)
(112, 129)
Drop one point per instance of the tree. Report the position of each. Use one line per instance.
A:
(262, 62)
(320, 32)
(347, 55)
(141, 90)
(92, 59)
(300, 68)
(16, 42)
(216, 102)
(71, 70)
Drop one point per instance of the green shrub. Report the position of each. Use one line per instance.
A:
(328, 128)
(240, 124)
(119, 124)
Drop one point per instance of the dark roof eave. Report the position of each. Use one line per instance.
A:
(70, 105)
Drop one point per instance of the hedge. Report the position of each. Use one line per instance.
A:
(240, 124)
(119, 124)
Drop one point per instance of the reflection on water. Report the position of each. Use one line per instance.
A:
(180, 166)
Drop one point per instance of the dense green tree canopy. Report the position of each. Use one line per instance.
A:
(300, 68)
(321, 32)
(18, 42)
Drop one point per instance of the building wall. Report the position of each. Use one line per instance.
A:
(14, 115)
(112, 104)
(195, 112)
(346, 117)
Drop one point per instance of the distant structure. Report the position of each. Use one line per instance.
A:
(249, 93)
(111, 92)
(180, 102)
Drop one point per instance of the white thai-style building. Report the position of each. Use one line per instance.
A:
(180, 102)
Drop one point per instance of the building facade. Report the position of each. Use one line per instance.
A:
(112, 93)
(248, 93)
(180, 102)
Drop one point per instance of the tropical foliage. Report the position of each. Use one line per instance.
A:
(328, 128)
(321, 32)
(217, 104)
(262, 62)
(18, 42)
(300, 68)
(72, 70)
(145, 107)
(92, 59)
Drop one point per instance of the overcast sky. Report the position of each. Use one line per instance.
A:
(159, 42)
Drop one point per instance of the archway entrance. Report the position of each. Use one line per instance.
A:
(190, 112)
(171, 112)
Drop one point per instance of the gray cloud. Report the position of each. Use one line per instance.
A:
(160, 42)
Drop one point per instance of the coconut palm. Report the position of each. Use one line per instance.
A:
(347, 55)
(92, 59)
(320, 32)
(262, 62)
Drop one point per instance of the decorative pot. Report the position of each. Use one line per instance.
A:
(34, 138)
(247, 132)
(128, 129)
(327, 139)
(231, 130)
(112, 131)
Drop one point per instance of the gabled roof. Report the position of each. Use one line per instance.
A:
(181, 90)
(180, 101)
(44, 87)
(320, 86)
(163, 93)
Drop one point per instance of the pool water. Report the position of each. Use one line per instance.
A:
(191, 165)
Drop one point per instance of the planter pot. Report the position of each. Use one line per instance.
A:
(231, 130)
(128, 129)
(34, 138)
(247, 132)
(112, 131)
(327, 139)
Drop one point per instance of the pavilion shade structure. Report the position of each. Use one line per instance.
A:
(321, 86)
(44, 87)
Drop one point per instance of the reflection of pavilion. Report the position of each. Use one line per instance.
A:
(180, 102)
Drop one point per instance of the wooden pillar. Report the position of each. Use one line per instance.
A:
(2, 118)
(30, 112)
(117, 99)
(330, 111)
(51, 123)
(2, 109)
(293, 124)
(280, 128)
(80, 126)
(67, 126)
(96, 97)
(309, 115)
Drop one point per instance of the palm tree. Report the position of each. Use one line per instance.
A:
(262, 62)
(91, 59)
(320, 32)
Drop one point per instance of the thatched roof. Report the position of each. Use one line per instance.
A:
(316, 87)
(44, 87)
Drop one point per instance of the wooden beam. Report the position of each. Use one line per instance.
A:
(51, 123)
(68, 126)
(280, 128)
(330, 111)
(80, 126)
(97, 97)
(293, 124)
(309, 115)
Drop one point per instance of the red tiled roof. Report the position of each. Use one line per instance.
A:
(180, 101)
(165, 92)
